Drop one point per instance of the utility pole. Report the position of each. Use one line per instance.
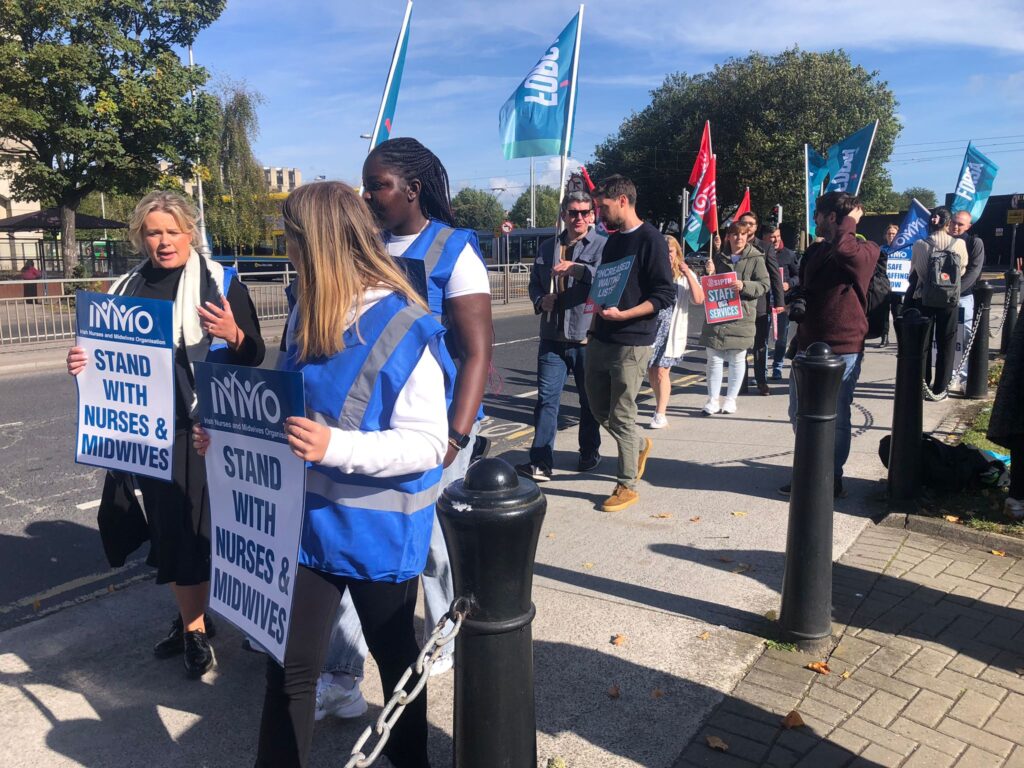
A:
(204, 248)
(533, 195)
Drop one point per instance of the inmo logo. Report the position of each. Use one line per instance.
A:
(112, 316)
(242, 399)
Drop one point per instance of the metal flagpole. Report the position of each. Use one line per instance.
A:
(807, 196)
(867, 155)
(204, 248)
(533, 194)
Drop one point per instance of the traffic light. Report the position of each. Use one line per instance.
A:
(777, 214)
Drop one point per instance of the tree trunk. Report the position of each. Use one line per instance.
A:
(68, 241)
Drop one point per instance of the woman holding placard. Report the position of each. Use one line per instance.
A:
(673, 325)
(373, 361)
(163, 227)
(728, 341)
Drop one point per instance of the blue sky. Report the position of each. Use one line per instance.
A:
(956, 69)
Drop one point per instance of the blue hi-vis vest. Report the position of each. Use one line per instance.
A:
(219, 348)
(369, 528)
(430, 259)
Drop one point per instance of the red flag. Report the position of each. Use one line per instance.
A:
(711, 217)
(703, 155)
(744, 206)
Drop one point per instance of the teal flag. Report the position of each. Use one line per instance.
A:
(537, 119)
(848, 158)
(977, 176)
(817, 169)
(389, 101)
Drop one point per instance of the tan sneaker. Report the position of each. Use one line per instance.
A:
(621, 498)
(641, 463)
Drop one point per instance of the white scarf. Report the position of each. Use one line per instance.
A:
(187, 328)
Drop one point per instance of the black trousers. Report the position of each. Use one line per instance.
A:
(762, 327)
(943, 331)
(1016, 470)
(386, 613)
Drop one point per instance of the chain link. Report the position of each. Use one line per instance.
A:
(964, 359)
(400, 698)
(1002, 320)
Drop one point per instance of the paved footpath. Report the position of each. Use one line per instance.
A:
(927, 672)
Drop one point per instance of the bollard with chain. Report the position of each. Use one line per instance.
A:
(1010, 311)
(977, 361)
(905, 450)
(491, 522)
(806, 613)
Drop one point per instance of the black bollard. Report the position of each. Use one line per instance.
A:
(491, 522)
(905, 449)
(806, 613)
(1012, 282)
(977, 362)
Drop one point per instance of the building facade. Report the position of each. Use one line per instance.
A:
(282, 179)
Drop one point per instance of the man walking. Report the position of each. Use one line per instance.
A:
(620, 346)
(559, 285)
(959, 227)
(834, 275)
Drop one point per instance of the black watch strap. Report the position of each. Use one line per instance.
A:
(457, 439)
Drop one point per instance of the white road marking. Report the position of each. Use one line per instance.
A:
(12, 424)
(514, 341)
(96, 502)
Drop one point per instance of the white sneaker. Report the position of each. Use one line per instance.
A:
(729, 405)
(442, 665)
(339, 695)
(659, 421)
(710, 408)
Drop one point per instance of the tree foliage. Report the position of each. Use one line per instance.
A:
(762, 110)
(925, 197)
(93, 95)
(547, 208)
(476, 209)
(238, 204)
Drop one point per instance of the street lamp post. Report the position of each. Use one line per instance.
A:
(204, 248)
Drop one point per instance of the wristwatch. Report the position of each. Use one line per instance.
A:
(457, 440)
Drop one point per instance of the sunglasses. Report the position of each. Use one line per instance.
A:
(578, 214)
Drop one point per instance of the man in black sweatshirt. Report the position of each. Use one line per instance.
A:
(622, 335)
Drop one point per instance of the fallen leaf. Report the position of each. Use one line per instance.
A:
(739, 514)
(662, 516)
(557, 762)
(551, 535)
(36, 605)
(818, 666)
(846, 674)
(657, 693)
(695, 519)
(771, 615)
(618, 639)
(588, 565)
(614, 692)
(741, 568)
(703, 635)
(998, 552)
(792, 720)
(951, 518)
(717, 744)
(725, 559)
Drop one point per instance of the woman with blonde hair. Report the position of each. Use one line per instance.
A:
(373, 361)
(673, 325)
(213, 317)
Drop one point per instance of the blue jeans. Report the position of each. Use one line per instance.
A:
(844, 432)
(347, 651)
(555, 359)
(779, 353)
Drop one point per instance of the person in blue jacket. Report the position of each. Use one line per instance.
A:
(374, 368)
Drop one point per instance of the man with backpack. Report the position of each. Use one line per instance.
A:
(831, 306)
(936, 265)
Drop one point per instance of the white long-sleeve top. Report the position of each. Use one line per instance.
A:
(417, 439)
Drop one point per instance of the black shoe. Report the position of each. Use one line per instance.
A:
(199, 656)
(837, 490)
(884, 342)
(587, 463)
(174, 644)
(536, 472)
(764, 389)
(786, 489)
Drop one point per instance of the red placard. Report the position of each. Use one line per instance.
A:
(722, 301)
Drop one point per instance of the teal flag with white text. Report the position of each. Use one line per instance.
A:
(974, 185)
(817, 170)
(848, 158)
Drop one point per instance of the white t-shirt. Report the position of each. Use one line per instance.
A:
(469, 275)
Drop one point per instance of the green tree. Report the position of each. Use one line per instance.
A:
(925, 197)
(762, 110)
(238, 204)
(476, 209)
(547, 208)
(93, 95)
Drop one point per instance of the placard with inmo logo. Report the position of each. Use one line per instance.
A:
(257, 488)
(126, 390)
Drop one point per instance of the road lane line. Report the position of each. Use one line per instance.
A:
(514, 341)
(12, 424)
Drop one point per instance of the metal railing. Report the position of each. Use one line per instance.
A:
(44, 310)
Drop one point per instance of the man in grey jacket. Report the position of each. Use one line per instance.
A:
(559, 285)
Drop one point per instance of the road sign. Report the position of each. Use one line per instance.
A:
(506, 227)
(1015, 217)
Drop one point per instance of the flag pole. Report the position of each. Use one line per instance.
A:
(391, 76)
(807, 195)
(867, 156)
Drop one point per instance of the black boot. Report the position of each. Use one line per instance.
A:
(174, 643)
(199, 656)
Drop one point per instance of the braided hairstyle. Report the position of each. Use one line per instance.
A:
(411, 160)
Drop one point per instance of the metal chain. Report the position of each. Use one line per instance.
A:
(401, 698)
(1002, 320)
(963, 359)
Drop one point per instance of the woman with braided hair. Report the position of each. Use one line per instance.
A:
(406, 188)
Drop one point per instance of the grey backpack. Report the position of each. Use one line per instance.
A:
(941, 289)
